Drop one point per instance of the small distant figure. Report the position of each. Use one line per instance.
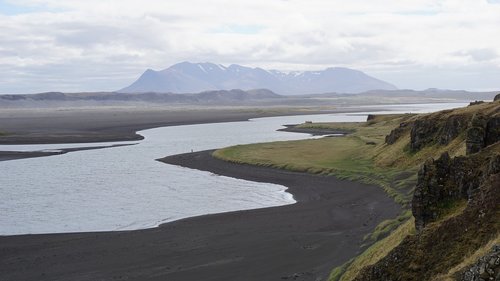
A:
(191, 151)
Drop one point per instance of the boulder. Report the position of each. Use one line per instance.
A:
(486, 268)
(396, 133)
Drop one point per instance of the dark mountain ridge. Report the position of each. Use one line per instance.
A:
(189, 77)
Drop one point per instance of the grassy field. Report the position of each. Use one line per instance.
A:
(351, 157)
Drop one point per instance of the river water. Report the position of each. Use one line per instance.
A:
(124, 188)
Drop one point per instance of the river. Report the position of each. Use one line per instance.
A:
(124, 188)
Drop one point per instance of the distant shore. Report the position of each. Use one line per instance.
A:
(102, 124)
(293, 128)
(302, 241)
(111, 124)
(14, 155)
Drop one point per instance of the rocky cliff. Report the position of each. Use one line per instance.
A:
(478, 125)
(456, 202)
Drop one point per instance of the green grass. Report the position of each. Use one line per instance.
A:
(347, 157)
(340, 126)
(386, 227)
(373, 254)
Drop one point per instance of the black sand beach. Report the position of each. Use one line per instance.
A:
(302, 241)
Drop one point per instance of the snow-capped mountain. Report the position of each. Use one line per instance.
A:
(189, 77)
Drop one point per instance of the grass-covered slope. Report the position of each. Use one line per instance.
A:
(350, 157)
(452, 191)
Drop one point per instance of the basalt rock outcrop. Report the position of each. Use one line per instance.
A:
(482, 131)
(395, 134)
(441, 128)
(444, 181)
(438, 247)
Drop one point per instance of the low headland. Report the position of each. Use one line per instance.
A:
(450, 204)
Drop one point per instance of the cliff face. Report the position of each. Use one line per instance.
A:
(446, 180)
(479, 129)
(482, 131)
(456, 203)
(438, 248)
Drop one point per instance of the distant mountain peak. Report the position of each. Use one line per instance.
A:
(188, 77)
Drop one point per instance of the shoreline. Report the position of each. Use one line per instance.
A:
(292, 128)
(63, 127)
(16, 155)
(81, 129)
(58, 126)
(301, 241)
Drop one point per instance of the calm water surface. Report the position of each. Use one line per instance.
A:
(125, 188)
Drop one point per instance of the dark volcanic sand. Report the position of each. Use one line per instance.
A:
(102, 124)
(302, 241)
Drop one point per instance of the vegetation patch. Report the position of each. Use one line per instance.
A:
(348, 157)
(467, 261)
(373, 254)
(386, 227)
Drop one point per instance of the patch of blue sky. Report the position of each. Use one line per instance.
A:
(420, 13)
(238, 29)
(11, 8)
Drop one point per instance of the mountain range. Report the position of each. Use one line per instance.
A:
(189, 77)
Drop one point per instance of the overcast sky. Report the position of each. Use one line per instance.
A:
(104, 45)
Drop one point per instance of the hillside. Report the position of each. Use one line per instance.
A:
(456, 199)
(443, 166)
(189, 77)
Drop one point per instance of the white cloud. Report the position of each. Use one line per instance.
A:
(104, 45)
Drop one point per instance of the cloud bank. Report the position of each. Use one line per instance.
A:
(93, 45)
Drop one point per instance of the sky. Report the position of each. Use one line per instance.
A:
(105, 45)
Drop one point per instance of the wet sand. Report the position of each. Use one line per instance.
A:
(302, 241)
